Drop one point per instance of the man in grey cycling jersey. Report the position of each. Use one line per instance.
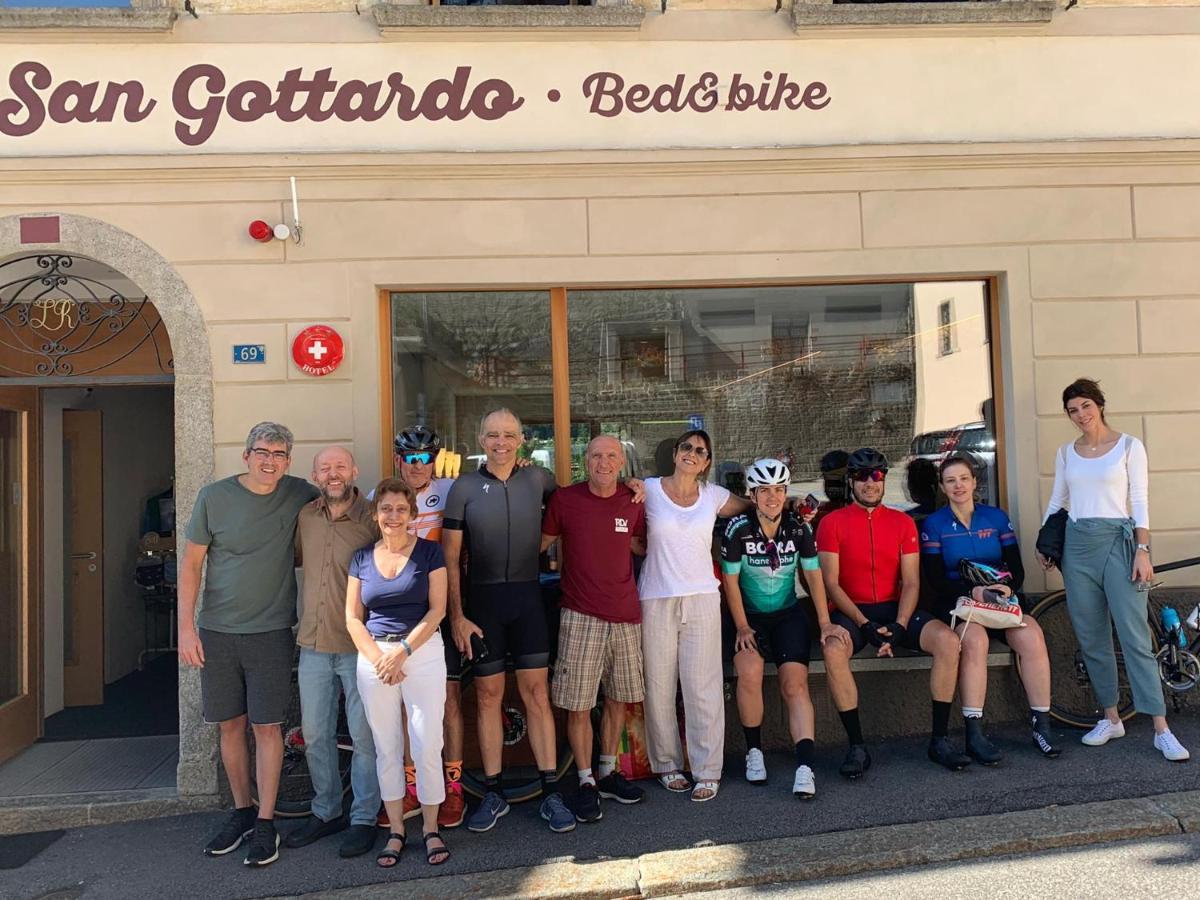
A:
(500, 509)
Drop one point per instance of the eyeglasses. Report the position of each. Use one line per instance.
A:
(868, 474)
(773, 556)
(262, 454)
(424, 458)
(698, 449)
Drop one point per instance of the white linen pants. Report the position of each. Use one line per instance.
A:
(681, 646)
(422, 694)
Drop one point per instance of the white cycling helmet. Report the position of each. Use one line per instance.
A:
(763, 472)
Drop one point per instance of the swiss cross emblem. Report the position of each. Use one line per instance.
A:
(318, 350)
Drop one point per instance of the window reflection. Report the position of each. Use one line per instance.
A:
(788, 372)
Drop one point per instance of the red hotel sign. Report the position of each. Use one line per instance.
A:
(318, 350)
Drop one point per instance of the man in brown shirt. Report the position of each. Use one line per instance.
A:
(331, 528)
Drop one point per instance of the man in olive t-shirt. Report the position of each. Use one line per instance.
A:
(244, 528)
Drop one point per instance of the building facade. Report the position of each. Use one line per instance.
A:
(817, 227)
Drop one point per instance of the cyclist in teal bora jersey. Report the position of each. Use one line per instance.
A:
(760, 554)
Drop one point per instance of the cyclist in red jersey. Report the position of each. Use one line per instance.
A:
(870, 560)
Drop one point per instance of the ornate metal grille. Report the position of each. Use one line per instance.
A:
(57, 321)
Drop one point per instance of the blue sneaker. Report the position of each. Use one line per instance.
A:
(556, 813)
(489, 811)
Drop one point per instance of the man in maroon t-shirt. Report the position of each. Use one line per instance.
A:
(600, 632)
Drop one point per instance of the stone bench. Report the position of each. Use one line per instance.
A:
(865, 660)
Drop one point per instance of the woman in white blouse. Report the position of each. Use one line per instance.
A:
(681, 618)
(1101, 478)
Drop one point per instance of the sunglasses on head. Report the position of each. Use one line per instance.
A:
(773, 556)
(868, 474)
(424, 457)
(699, 449)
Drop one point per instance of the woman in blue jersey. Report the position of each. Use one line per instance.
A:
(966, 530)
(761, 552)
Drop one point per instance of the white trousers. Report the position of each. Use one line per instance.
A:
(422, 694)
(681, 646)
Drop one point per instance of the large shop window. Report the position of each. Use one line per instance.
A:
(788, 372)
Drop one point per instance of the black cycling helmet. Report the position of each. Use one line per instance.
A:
(418, 438)
(983, 575)
(833, 461)
(865, 459)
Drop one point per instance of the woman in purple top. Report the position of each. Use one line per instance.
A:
(395, 599)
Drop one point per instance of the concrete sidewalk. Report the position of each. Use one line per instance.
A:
(824, 856)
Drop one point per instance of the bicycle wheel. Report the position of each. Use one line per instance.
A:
(521, 777)
(1072, 700)
(294, 799)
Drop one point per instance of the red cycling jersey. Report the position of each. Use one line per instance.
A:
(869, 544)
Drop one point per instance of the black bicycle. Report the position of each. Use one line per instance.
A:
(1074, 702)
(294, 799)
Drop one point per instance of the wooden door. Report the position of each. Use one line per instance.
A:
(20, 571)
(83, 544)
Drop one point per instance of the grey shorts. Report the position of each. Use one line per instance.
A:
(247, 674)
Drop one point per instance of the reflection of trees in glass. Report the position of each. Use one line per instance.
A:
(456, 355)
(763, 383)
(491, 339)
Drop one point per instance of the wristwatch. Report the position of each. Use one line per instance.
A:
(407, 649)
(1145, 547)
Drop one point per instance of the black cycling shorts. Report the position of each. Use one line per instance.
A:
(513, 618)
(884, 614)
(453, 657)
(782, 637)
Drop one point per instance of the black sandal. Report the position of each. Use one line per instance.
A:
(431, 853)
(388, 858)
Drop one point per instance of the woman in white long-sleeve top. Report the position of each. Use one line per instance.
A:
(1102, 478)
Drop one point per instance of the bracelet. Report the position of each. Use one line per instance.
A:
(407, 649)
(1145, 547)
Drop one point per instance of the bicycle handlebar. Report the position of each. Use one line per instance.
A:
(1178, 564)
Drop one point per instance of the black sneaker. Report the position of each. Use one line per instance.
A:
(313, 830)
(237, 828)
(978, 747)
(856, 763)
(264, 844)
(359, 839)
(942, 752)
(587, 804)
(614, 786)
(1042, 737)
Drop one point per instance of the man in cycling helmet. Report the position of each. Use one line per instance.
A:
(416, 449)
(871, 565)
(760, 553)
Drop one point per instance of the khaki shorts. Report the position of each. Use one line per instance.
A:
(592, 651)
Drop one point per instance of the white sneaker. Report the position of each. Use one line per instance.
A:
(756, 767)
(1104, 732)
(1170, 747)
(805, 786)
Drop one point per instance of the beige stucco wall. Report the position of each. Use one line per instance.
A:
(1097, 249)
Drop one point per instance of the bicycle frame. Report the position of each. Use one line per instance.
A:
(1073, 701)
(1178, 667)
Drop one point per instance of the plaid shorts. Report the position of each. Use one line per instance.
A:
(591, 651)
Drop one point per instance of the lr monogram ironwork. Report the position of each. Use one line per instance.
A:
(57, 318)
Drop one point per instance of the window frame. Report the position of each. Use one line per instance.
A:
(558, 302)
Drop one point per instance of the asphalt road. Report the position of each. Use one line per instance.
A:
(162, 857)
(1152, 867)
